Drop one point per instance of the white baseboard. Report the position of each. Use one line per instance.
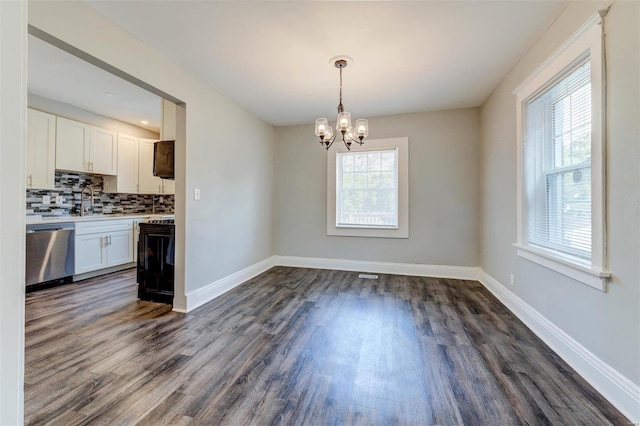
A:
(205, 294)
(616, 388)
(439, 271)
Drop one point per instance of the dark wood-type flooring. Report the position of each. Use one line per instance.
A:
(296, 346)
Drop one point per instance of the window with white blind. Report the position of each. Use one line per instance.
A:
(557, 165)
(561, 160)
(368, 189)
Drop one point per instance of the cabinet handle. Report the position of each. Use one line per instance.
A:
(91, 166)
(109, 239)
(30, 180)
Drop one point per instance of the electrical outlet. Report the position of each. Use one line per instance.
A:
(46, 200)
(513, 280)
(161, 199)
(196, 194)
(59, 200)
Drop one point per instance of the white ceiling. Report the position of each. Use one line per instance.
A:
(58, 75)
(272, 57)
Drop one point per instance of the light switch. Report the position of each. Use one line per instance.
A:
(46, 200)
(196, 194)
(59, 200)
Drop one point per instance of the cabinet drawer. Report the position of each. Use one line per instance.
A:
(100, 226)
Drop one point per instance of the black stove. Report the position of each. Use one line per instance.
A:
(156, 259)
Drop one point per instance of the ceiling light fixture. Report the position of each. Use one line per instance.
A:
(144, 122)
(107, 93)
(343, 124)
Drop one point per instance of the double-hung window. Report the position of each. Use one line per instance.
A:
(561, 160)
(368, 189)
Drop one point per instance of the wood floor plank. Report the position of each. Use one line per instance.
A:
(296, 346)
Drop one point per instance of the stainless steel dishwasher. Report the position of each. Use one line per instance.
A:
(50, 252)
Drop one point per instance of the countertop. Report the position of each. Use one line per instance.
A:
(60, 219)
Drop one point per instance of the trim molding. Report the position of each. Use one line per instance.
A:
(209, 292)
(439, 271)
(616, 388)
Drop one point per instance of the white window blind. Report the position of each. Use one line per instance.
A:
(367, 189)
(557, 164)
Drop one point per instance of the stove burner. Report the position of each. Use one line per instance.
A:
(161, 221)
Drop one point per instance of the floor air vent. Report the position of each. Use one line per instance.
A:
(368, 276)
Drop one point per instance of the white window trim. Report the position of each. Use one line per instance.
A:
(402, 231)
(589, 38)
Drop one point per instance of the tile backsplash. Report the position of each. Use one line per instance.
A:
(68, 185)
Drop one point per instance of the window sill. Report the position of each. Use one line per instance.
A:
(565, 266)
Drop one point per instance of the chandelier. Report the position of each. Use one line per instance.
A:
(343, 124)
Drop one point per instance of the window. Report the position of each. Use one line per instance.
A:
(367, 189)
(560, 160)
(367, 192)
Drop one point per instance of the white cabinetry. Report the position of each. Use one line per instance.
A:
(148, 183)
(102, 244)
(72, 145)
(168, 186)
(84, 148)
(103, 151)
(126, 181)
(41, 149)
(91, 252)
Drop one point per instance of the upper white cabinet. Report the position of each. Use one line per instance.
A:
(72, 145)
(84, 148)
(168, 186)
(126, 181)
(103, 151)
(148, 183)
(41, 149)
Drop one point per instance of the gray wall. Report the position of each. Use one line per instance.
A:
(74, 113)
(605, 323)
(443, 192)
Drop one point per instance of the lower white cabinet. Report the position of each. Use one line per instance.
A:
(102, 244)
(91, 252)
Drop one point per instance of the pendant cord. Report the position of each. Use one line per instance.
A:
(340, 85)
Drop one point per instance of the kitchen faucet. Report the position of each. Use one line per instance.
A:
(82, 200)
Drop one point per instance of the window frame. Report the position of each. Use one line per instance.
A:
(587, 41)
(401, 145)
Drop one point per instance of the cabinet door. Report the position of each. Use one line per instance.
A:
(103, 151)
(72, 145)
(168, 186)
(120, 247)
(91, 252)
(147, 182)
(41, 149)
(127, 164)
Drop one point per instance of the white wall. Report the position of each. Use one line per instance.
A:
(228, 152)
(607, 324)
(13, 103)
(443, 192)
(82, 115)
